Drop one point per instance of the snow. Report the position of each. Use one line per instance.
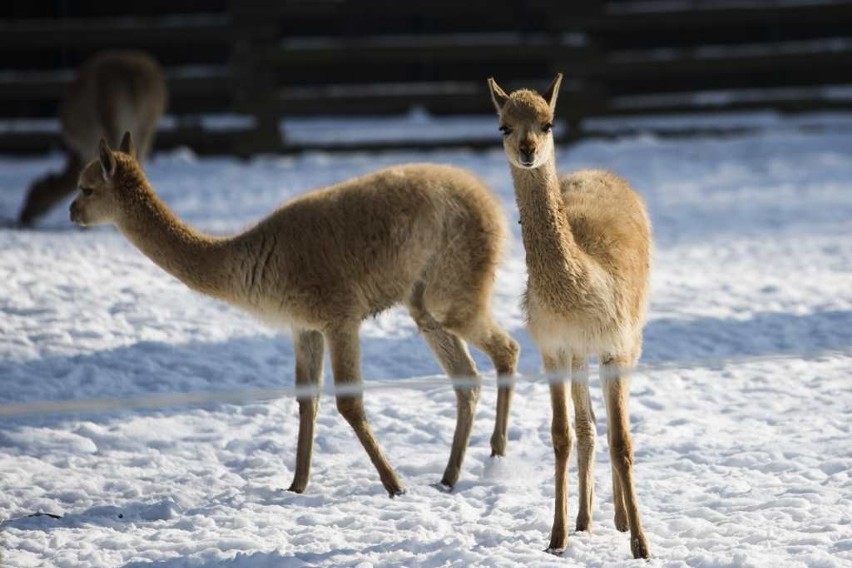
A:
(742, 413)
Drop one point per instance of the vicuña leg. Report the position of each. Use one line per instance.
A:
(584, 418)
(561, 435)
(616, 384)
(345, 351)
(457, 363)
(503, 352)
(308, 346)
(621, 523)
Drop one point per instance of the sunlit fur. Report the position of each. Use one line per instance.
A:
(114, 91)
(422, 235)
(588, 243)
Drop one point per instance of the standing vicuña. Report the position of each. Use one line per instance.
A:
(424, 235)
(114, 91)
(587, 239)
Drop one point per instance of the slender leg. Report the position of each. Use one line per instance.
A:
(584, 418)
(503, 352)
(616, 385)
(309, 354)
(467, 397)
(457, 363)
(621, 523)
(560, 432)
(620, 520)
(49, 190)
(345, 352)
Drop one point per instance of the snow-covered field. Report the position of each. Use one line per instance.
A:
(742, 416)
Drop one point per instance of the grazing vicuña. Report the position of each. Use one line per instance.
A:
(114, 92)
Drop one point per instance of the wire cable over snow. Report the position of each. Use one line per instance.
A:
(243, 396)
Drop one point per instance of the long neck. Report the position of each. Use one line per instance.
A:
(553, 258)
(71, 172)
(196, 259)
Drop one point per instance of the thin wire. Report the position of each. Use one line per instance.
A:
(158, 401)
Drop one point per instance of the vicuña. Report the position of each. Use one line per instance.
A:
(423, 235)
(588, 241)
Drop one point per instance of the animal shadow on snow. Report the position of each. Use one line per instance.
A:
(264, 362)
(261, 362)
(762, 334)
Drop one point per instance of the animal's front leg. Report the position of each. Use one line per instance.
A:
(584, 418)
(556, 368)
(345, 354)
(309, 355)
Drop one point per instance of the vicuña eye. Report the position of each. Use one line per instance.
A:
(546, 127)
(87, 191)
(505, 130)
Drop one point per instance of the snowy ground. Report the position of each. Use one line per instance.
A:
(740, 462)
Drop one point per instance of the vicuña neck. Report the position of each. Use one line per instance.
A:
(194, 258)
(553, 259)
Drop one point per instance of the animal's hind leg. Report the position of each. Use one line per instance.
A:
(309, 355)
(345, 351)
(616, 384)
(457, 363)
(503, 352)
(620, 519)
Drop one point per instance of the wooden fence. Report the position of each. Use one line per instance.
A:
(236, 68)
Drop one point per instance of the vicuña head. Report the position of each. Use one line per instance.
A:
(526, 121)
(102, 183)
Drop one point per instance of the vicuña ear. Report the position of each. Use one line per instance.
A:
(127, 145)
(553, 92)
(108, 164)
(498, 95)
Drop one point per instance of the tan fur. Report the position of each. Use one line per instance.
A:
(588, 241)
(425, 235)
(114, 91)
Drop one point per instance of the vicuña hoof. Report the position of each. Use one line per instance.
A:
(558, 544)
(639, 547)
(450, 480)
(498, 446)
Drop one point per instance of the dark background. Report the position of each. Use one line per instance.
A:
(264, 61)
